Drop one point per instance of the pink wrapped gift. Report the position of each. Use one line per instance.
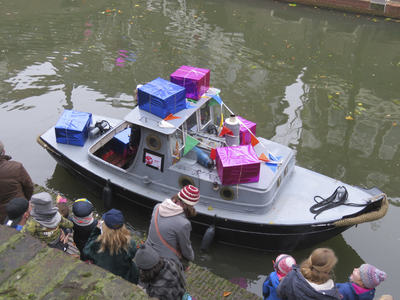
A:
(245, 135)
(237, 164)
(196, 81)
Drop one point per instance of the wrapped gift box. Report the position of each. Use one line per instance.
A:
(120, 142)
(161, 97)
(245, 135)
(237, 164)
(196, 81)
(73, 127)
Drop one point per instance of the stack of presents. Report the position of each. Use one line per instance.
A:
(237, 164)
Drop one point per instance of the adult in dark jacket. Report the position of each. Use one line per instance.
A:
(173, 225)
(312, 280)
(112, 247)
(15, 182)
(84, 223)
(161, 277)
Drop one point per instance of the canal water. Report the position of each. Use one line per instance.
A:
(323, 83)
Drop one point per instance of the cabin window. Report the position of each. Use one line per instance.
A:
(177, 145)
(153, 142)
(191, 123)
(205, 116)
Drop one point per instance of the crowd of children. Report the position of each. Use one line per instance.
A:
(108, 244)
(313, 279)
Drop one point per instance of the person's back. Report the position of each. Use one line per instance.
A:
(15, 182)
(84, 223)
(161, 277)
(112, 247)
(46, 222)
(282, 265)
(170, 221)
(312, 280)
(362, 283)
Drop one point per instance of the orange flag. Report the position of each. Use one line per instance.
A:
(254, 141)
(171, 117)
(225, 131)
(263, 157)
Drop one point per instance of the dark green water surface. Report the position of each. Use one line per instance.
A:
(326, 84)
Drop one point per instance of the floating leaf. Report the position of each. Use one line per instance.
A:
(292, 4)
(253, 67)
(360, 103)
(349, 118)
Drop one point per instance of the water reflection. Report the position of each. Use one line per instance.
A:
(324, 83)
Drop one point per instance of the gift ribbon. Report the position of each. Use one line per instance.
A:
(69, 123)
(160, 88)
(192, 70)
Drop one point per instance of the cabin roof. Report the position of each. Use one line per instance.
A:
(145, 119)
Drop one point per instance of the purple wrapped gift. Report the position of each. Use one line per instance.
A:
(196, 81)
(245, 135)
(237, 164)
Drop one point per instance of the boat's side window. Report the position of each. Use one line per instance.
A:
(177, 144)
(191, 123)
(205, 115)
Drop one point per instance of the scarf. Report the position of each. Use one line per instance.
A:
(168, 208)
(49, 218)
(83, 221)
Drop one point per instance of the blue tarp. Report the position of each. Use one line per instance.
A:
(161, 97)
(73, 127)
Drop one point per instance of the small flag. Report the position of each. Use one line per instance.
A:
(171, 117)
(213, 154)
(189, 106)
(189, 144)
(263, 157)
(225, 130)
(218, 98)
(213, 102)
(254, 140)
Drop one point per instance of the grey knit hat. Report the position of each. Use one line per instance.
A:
(146, 257)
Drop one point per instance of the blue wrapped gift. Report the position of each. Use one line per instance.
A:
(73, 127)
(161, 97)
(120, 142)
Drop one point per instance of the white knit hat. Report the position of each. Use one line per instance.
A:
(189, 194)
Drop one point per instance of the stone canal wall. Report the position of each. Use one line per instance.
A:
(382, 8)
(29, 269)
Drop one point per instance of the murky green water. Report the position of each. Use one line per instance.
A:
(324, 83)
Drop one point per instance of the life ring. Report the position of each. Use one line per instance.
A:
(227, 193)
(200, 139)
(214, 144)
(185, 180)
(153, 142)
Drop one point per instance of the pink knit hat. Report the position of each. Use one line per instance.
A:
(371, 276)
(189, 194)
(284, 263)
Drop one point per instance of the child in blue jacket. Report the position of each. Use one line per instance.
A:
(282, 266)
(362, 283)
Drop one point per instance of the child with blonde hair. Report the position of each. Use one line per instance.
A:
(362, 283)
(312, 280)
(282, 266)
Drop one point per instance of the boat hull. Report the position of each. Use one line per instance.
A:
(268, 237)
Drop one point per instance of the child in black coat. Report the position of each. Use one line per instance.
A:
(84, 223)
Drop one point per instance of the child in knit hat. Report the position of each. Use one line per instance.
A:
(63, 209)
(282, 266)
(84, 223)
(362, 283)
(46, 222)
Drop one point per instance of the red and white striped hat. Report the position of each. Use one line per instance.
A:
(189, 194)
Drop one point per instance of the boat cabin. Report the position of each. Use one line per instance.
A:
(158, 160)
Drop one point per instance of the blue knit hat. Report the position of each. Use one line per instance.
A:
(114, 219)
(82, 207)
